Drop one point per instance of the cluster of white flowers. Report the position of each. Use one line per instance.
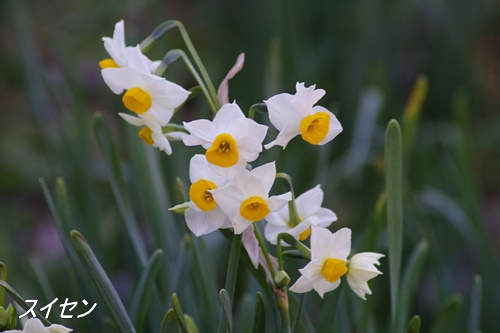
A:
(225, 191)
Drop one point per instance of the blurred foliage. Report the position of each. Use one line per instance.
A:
(365, 54)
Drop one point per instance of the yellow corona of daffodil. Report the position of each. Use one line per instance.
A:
(203, 214)
(145, 94)
(230, 139)
(329, 263)
(296, 114)
(246, 198)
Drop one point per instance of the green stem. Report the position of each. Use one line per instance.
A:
(3, 269)
(304, 249)
(292, 207)
(278, 250)
(164, 27)
(264, 249)
(299, 312)
(259, 107)
(284, 313)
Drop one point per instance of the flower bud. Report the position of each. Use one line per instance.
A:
(8, 318)
(180, 208)
(281, 279)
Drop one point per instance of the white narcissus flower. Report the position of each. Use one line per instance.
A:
(230, 139)
(152, 132)
(34, 325)
(119, 52)
(246, 199)
(296, 114)
(146, 94)
(329, 262)
(203, 214)
(310, 214)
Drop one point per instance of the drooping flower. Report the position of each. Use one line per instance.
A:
(329, 263)
(203, 214)
(246, 199)
(34, 325)
(120, 52)
(229, 139)
(146, 94)
(296, 114)
(151, 131)
(310, 213)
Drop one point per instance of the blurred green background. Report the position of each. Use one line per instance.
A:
(366, 55)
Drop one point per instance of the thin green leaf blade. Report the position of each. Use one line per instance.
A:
(170, 323)
(259, 324)
(225, 301)
(394, 190)
(179, 313)
(413, 325)
(447, 313)
(409, 283)
(142, 295)
(475, 305)
(102, 283)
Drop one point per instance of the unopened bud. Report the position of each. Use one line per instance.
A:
(8, 318)
(180, 208)
(281, 279)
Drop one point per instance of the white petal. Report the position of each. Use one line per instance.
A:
(197, 168)
(339, 244)
(226, 117)
(288, 132)
(153, 66)
(240, 224)
(276, 202)
(319, 241)
(302, 285)
(266, 174)
(322, 286)
(305, 98)
(271, 232)
(325, 217)
(120, 79)
(360, 288)
(55, 328)
(119, 33)
(175, 136)
(137, 60)
(136, 121)
(229, 199)
(281, 111)
(362, 266)
(161, 142)
(309, 202)
(162, 115)
(334, 129)
(201, 132)
(276, 219)
(251, 245)
(201, 222)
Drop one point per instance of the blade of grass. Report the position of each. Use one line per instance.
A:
(413, 325)
(447, 312)
(169, 324)
(107, 147)
(475, 305)
(259, 323)
(19, 300)
(225, 301)
(394, 190)
(179, 314)
(102, 283)
(142, 294)
(411, 115)
(409, 283)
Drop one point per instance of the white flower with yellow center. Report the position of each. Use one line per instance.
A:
(34, 325)
(119, 52)
(296, 114)
(310, 213)
(246, 199)
(203, 215)
(152, 132)
(230, 139)
(146, 94)
(329, 263)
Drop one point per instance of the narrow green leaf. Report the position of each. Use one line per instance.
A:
(413, 325)
(179, 314)
(191, 325)
(170, 323)
(475, 305)
(42, 279)
(102, 283)
(296, 254)
(259, 324)
(446, 314)
(412, 113)
(409, 283)
(394, 190)
(3, 277)
(330, 304)
(109, 326)
(19, 300)
(107, 147)
(142, 295)
(225, 301)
